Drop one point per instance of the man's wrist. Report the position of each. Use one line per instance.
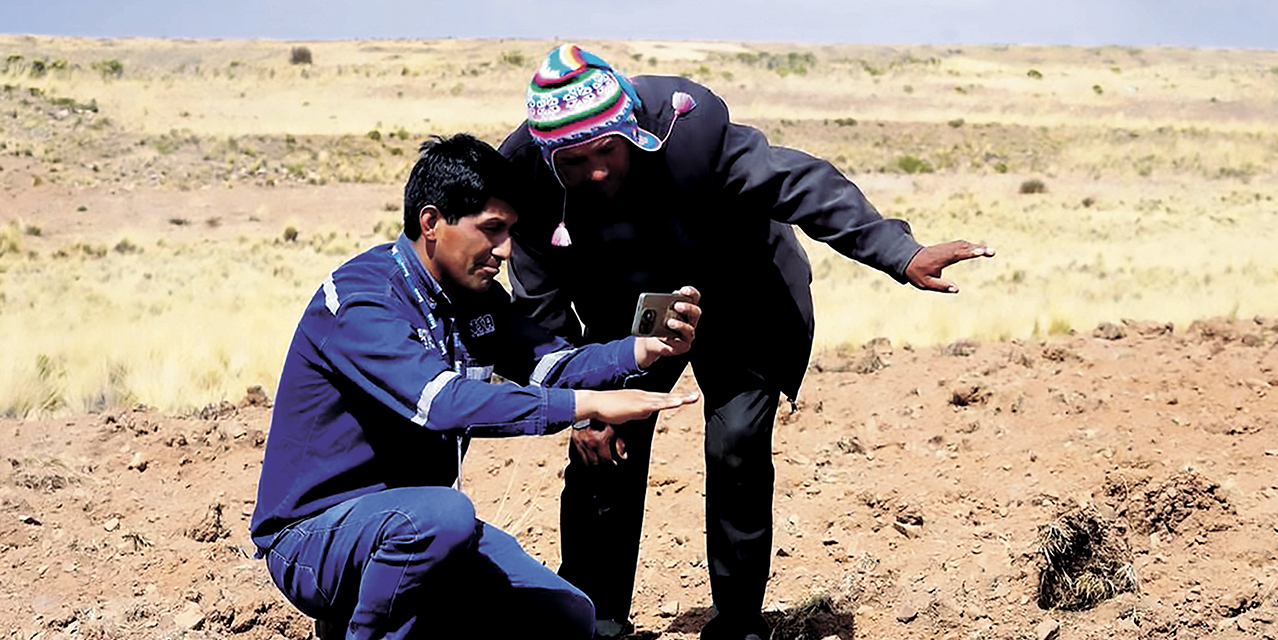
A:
(645, 356)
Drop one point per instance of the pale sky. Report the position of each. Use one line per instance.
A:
(1199, 23)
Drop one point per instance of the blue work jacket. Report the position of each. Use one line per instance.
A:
(388, 377)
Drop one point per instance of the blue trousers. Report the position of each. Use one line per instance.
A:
(414, 562)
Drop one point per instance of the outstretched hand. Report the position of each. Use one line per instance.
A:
(924, 270)
(599, 442)
(625, 405)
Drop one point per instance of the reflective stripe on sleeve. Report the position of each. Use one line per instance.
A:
(429, 392)
(330, 295)
(546, 364)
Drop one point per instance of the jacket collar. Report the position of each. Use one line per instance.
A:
(425, 288)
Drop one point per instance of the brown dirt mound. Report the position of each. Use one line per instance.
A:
(1182, 504)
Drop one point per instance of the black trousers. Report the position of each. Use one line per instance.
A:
(601, 509)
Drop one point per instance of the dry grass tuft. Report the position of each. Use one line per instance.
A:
(1083, 560)
(819, 616)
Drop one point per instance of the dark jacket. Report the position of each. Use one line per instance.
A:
(713, 208)
(387, 378)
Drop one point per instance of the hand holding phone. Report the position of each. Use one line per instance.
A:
(652, 312)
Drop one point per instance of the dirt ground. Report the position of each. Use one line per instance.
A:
(914, 494)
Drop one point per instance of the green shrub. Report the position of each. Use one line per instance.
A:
(108, 68)
(515, 59)
(126, 247)
(911, 164)
(1034, 73)
(1033, 186)
(300, 55)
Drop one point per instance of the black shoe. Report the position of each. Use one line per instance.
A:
(722, 627)
(609, 629)
(325, 630)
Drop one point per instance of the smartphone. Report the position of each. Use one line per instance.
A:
(651, 314)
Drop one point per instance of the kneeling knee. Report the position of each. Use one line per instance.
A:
(447, 522)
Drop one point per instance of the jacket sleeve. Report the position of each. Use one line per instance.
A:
(799, 189)
(526, 353)
(371, 347)
(537, 291)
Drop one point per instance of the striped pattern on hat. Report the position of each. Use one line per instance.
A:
(576, 96)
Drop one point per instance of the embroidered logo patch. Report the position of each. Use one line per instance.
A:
(425, 338)
(482, 326)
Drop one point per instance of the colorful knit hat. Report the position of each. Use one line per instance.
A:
(576, 97)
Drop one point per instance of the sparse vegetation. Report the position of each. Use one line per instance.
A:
(516, 59)
(959, 158)
(108, 68)
(911, 164)
(1033, 185)
(300, 55)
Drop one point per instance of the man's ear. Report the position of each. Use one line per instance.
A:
(429, 217)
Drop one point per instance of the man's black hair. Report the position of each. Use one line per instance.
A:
(458, 175)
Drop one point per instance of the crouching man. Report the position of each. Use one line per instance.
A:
(359, 511)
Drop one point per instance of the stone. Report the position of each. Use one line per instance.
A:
(907, 530)
(1047, 629)
(189, 618)
(906, 613)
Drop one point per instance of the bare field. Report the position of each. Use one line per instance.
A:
(149, 184)
(167, 206)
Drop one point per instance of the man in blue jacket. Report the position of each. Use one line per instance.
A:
(359, 514)
(638, 185)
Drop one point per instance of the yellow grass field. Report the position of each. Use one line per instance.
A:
(168, 206)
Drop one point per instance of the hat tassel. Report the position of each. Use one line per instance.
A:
(560, 237)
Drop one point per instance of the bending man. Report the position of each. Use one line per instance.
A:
(638, 185)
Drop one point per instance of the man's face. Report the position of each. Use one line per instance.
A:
(596, 168)
(467, 255)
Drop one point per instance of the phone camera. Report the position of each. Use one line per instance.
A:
(646, 321)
